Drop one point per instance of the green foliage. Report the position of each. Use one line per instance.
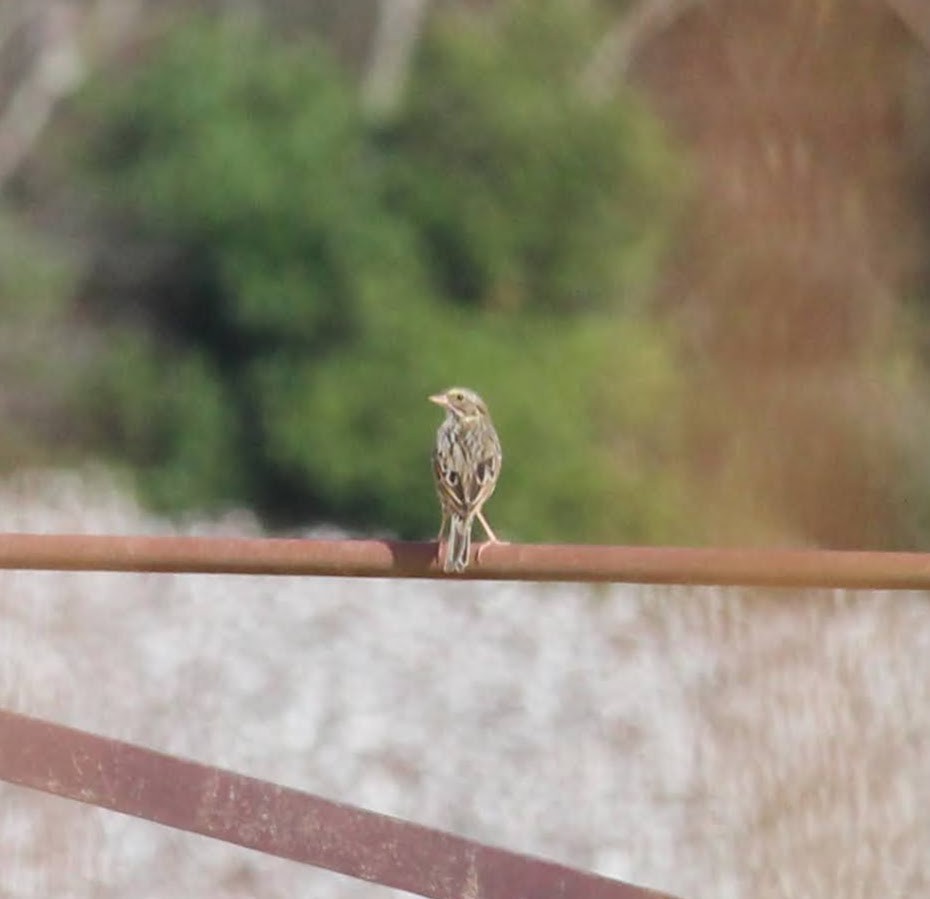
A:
(35, 276)
(330, 273)
(526, 195)
(40, 346)
(169, 414)
(250, 152)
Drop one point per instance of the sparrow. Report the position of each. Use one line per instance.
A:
(466, 465)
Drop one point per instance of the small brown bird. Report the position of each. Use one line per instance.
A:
(466, 465)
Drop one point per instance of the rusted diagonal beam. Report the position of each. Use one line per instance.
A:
(280, 821)
(518, 561)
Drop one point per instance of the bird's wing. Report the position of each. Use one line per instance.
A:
(450, 483)
(466, 472)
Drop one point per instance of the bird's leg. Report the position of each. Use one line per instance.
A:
(492, 537)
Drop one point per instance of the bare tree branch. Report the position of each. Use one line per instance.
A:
(54, 72)
(613, 56)
(70, 40)
(399, 26)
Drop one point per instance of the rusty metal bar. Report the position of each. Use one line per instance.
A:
(518, 561)
(279, 821)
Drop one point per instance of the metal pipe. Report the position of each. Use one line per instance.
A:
(279, 821)
(517, 561)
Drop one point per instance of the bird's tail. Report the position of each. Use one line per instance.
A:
(458, 549)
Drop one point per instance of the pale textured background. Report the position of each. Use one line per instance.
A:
(709, 742)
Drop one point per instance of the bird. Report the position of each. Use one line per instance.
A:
(466, 465)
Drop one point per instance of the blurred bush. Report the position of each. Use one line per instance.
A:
(300, 278)
(39, 346)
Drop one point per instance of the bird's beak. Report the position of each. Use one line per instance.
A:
(440, 399)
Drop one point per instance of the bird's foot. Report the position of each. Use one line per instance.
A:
(481, 547)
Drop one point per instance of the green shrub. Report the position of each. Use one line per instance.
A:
(327, 273)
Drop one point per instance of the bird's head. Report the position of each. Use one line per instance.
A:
(461, 402)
